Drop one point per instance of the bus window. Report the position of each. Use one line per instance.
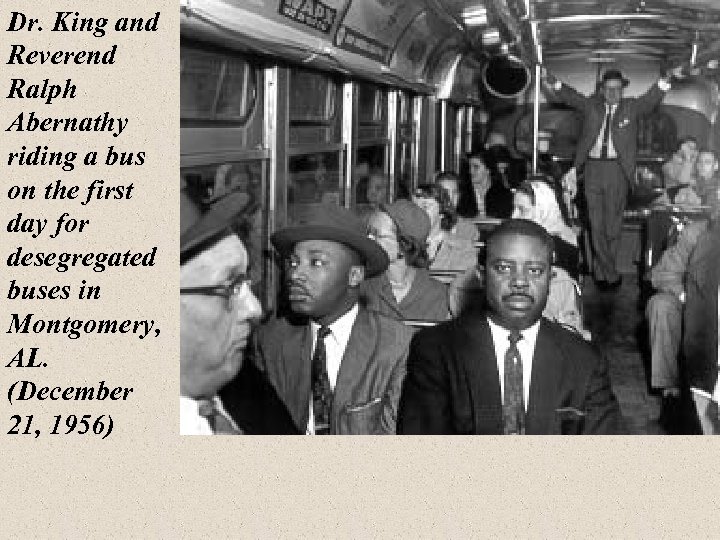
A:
(312, 97)
(372, 112)
(215, 87)
(210, 183)
(314, 179)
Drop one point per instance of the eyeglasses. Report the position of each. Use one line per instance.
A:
(228, 292)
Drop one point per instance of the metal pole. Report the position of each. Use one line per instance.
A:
(536, 119)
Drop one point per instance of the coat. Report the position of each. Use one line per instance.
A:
(272, 393)
(427, 299)
(453, 385)
(624, 123)
(700, 318)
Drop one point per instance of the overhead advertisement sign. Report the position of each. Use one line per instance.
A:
(312, 13)
(371, 28)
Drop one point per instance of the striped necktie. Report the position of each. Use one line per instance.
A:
(606, 133)
(321, 390)
(513, 400)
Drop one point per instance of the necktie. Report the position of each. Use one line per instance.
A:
(321, 391)
(513, 401)
(606, 134)
(218, 422)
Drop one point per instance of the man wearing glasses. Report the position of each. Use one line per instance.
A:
(329, 366)
(216, 309)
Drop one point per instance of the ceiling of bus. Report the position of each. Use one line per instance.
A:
(665, 31)
(416, 43)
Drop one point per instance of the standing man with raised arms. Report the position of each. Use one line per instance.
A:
(607, 149)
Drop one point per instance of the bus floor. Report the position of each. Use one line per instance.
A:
(617, 322)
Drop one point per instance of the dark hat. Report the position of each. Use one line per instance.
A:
(409, 218)
(338, 224)
(614, 74)
(198, 224)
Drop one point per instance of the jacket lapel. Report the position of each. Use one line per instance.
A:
(478, 359)
(296, 359)
(359, 351)
(545, 380)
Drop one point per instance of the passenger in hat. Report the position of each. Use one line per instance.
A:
(216, 309)
(330, 366)
(405, 290)
(607, 149)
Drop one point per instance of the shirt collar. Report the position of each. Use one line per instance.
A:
(342, 326)
(501, 334)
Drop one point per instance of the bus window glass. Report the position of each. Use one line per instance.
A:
(372, 112)
(312, 97)
(314, 179)
(215, 87)
(211, 183)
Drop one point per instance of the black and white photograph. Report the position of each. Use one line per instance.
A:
(449, 217)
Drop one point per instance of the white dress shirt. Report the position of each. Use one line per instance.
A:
(335, 345)
(526, 348)
(596, 150)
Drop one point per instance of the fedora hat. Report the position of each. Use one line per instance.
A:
(338, 224)
(200, 223)
(614, 75)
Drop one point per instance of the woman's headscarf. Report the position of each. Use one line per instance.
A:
(546, 212)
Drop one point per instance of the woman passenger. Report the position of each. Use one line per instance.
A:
(536, 200)
(446, 249)
(450, 182)
(405, 290)
(492, 197)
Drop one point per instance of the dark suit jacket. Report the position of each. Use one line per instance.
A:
(700, 339)
(453, 385)
(624, 123)
(271, 395)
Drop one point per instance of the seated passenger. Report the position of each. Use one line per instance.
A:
(537, 201)
(405, 290)
(701, 326)
(216, 308)
(492, 197)
(331, 366)
(664, 310)
(446, 250)
(706, 175)
(377, 189)
(473, 375)
(680, 168)
(450, 182)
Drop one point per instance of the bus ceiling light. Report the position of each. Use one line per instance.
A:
(475, 16)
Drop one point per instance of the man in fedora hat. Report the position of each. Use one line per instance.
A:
(216, 310)
(607, 148)
(329, 366)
